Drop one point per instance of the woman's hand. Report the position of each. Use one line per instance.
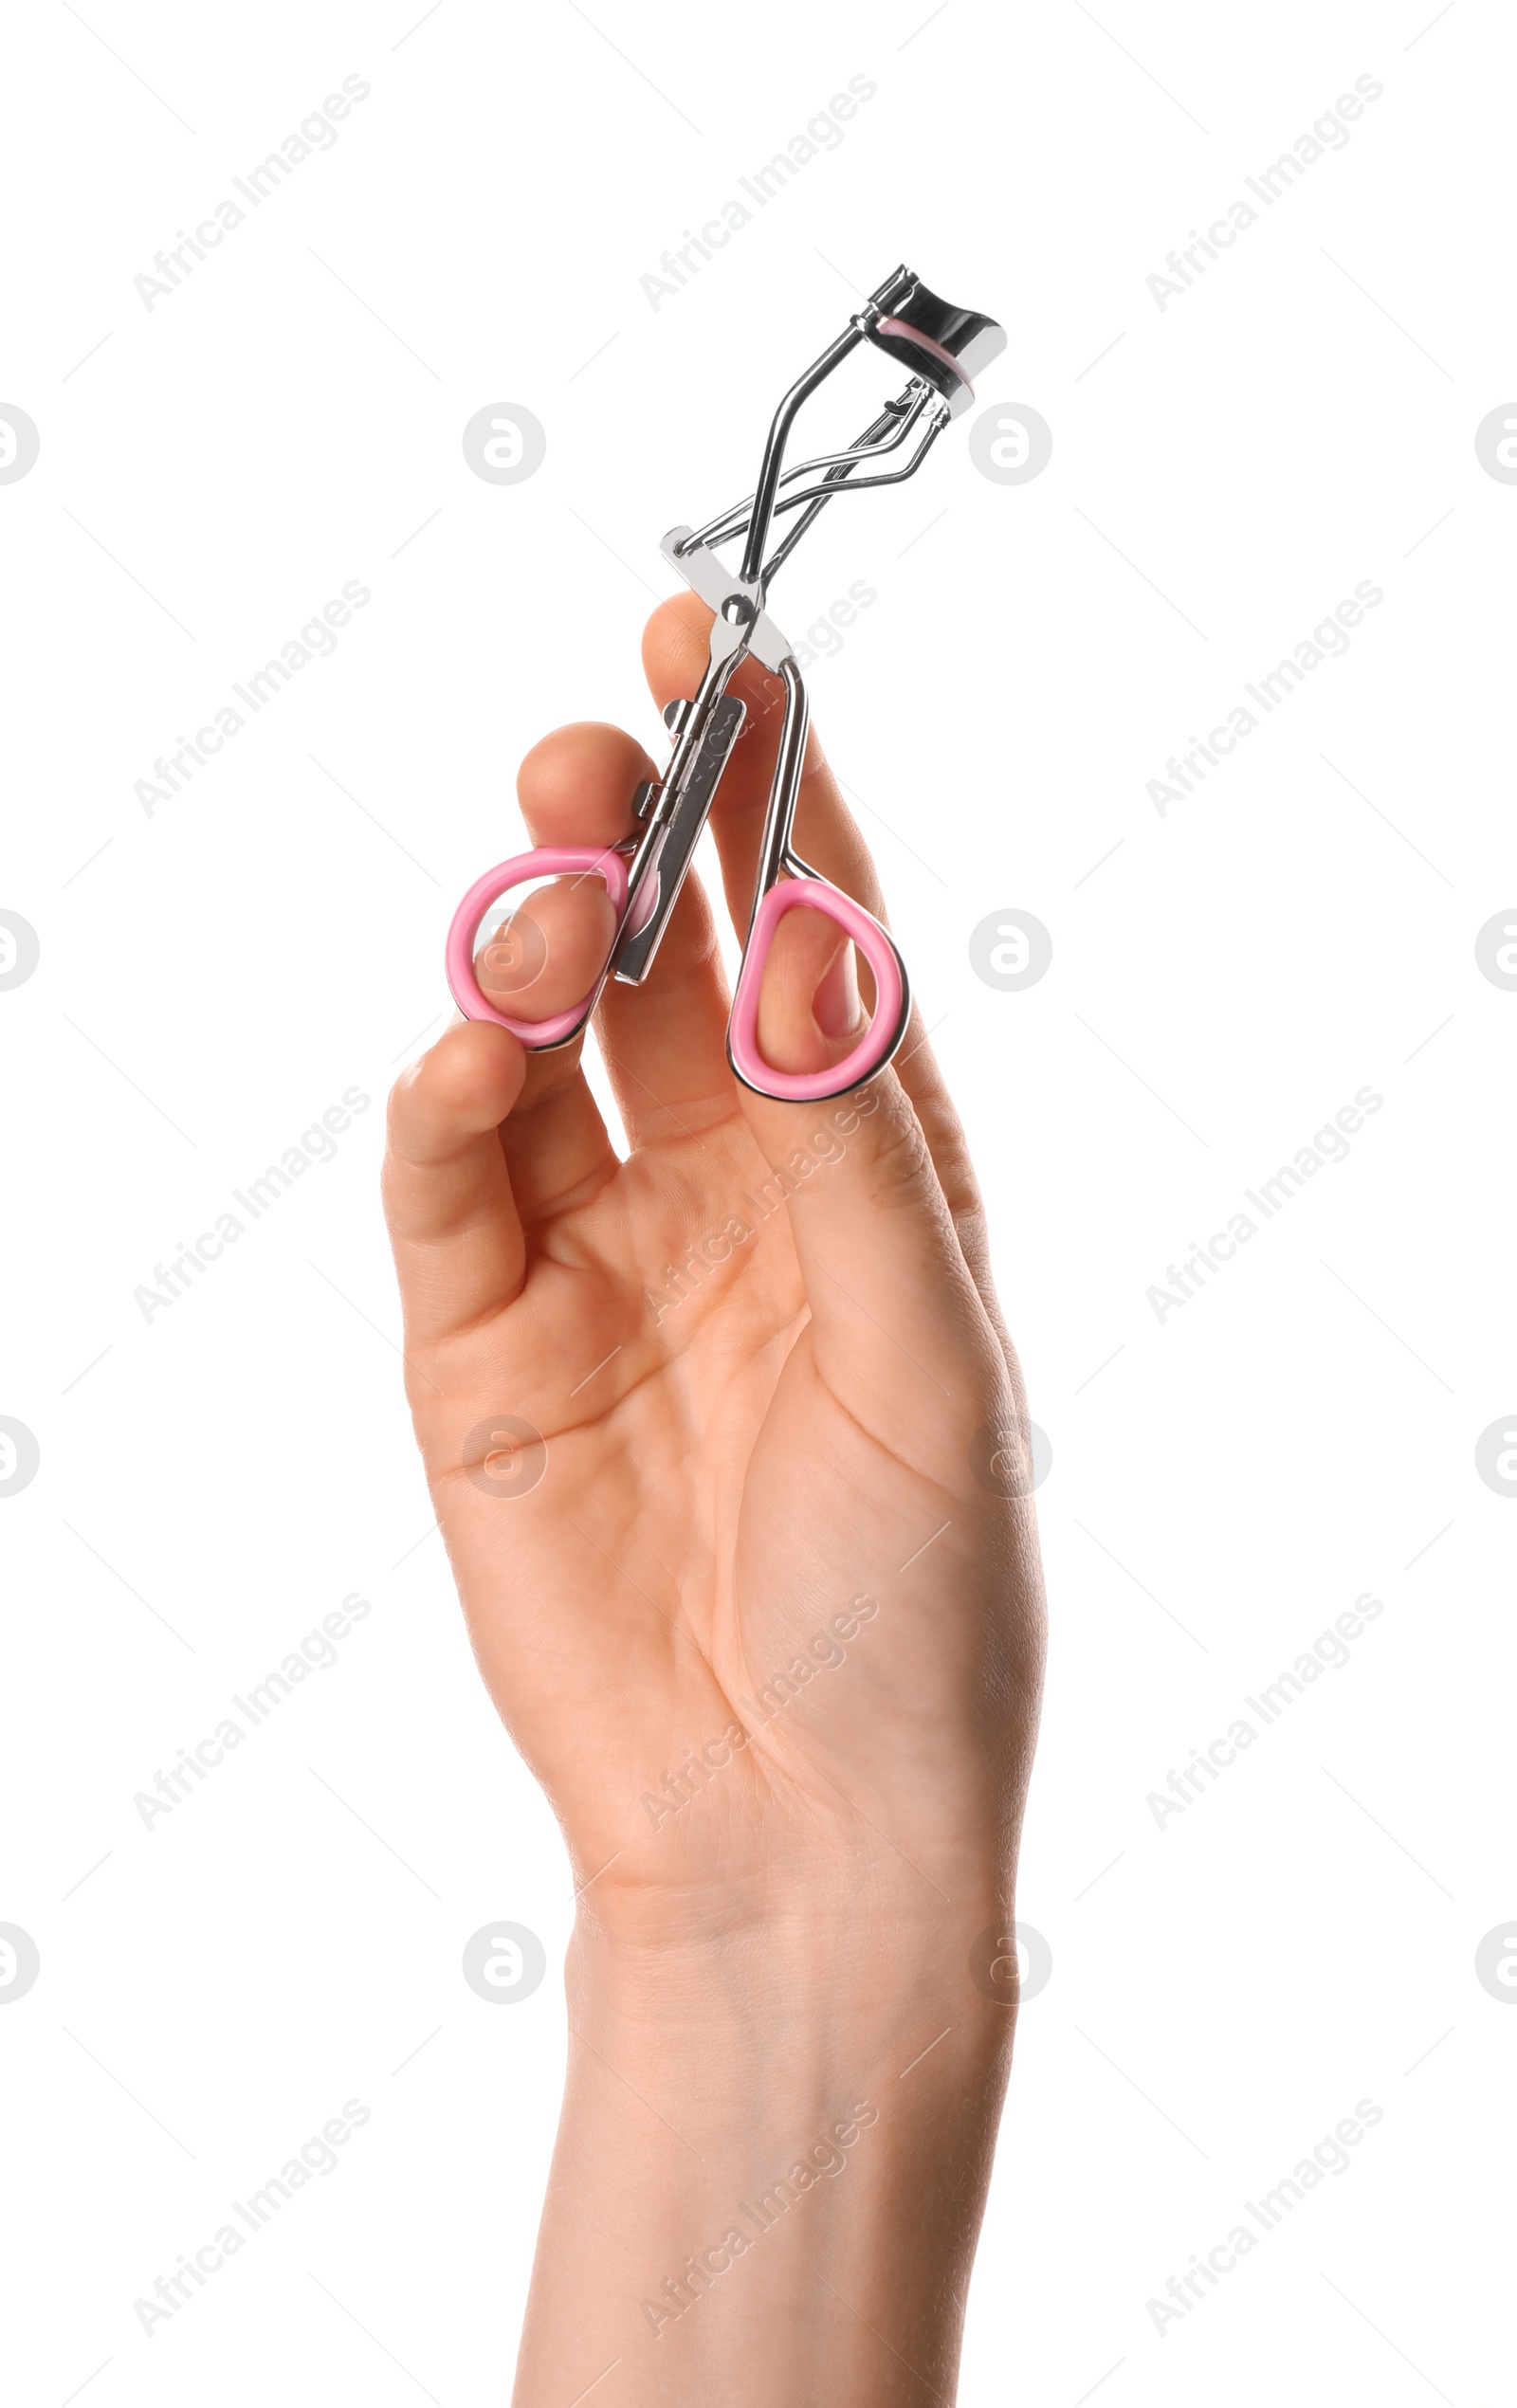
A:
(728, 1447)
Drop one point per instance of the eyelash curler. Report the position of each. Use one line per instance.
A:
(945, 348)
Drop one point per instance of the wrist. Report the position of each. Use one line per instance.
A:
(824, 1994)
(774, 2148)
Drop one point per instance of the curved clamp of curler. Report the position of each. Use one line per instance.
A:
(945, 347)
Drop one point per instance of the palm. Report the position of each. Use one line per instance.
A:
(697, 1523)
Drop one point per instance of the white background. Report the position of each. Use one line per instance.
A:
(1224, 1482)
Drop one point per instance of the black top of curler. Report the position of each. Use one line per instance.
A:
(954, 346)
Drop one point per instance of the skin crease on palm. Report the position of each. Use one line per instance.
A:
(724, 1474)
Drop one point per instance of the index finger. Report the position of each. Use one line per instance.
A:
(454, 1227)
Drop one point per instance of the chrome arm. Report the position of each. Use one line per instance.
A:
(833, 485)
(840, 481)
(863, 449)
(902, 414)
(879, 305)
(768, 485)
(784, 787)
(813, 500)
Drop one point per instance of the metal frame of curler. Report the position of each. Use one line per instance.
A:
(945, 348)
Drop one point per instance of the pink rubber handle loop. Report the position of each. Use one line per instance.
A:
(810, 1087)
(544, 863)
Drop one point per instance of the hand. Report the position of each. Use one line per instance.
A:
(768, 1625)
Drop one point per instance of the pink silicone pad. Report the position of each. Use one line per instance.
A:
(898, 327)
(545, 863)
(791, 1087)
